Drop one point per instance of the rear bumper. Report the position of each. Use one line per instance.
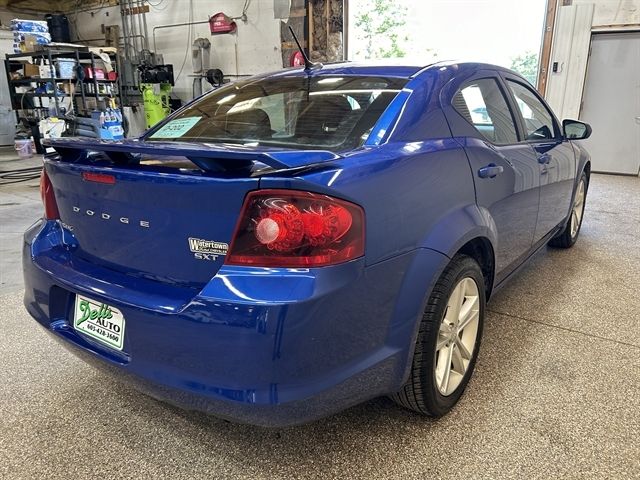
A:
(271, 347)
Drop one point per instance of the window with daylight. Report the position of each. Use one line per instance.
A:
(538, 121)
(484, 106)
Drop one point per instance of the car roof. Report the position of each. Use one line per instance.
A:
(386, 68)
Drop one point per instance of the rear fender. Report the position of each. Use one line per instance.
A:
(441, 244)
(418, 282)
(458, 227)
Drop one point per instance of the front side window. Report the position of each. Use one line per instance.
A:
(483, 105)
(538, 121)
(324, 112)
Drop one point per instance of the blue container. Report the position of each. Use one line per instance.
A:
(66, 67)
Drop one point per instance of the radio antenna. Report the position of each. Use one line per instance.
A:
(308, 64)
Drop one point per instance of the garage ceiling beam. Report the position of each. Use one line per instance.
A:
(63, 6)
(35, 5)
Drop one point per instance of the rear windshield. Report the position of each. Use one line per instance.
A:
(326, 112)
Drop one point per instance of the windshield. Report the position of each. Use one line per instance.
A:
(326, 112)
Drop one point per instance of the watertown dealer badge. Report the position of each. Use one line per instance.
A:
(207, 249)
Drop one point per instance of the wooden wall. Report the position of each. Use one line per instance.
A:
(318, 25)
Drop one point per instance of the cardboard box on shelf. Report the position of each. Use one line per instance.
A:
(32, 42)
(31, 70)
(69, 88)
(89, 104)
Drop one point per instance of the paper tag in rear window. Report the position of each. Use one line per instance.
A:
(176, 128)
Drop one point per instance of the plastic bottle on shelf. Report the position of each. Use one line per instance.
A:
(113, 124)
(44, 68)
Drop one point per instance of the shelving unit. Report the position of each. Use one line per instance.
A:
(32, 102)
(41, 101)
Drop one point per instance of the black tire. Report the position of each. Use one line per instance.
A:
(421, 392)
(566, 238)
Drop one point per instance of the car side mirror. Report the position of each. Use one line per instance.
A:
(575, 130)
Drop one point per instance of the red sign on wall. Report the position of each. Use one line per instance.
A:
(221, 23)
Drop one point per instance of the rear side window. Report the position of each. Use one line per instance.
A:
(323, 112)
(484, 106)
(538, 121)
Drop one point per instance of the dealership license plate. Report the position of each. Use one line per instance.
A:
(100, 321)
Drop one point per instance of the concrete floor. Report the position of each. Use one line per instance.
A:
(556, 392)
(20, 206)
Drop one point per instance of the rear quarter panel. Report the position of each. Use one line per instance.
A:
(415, 195)
(419, 203)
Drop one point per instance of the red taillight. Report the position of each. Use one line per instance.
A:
(48, 199)
(290, 228)
(99, 178)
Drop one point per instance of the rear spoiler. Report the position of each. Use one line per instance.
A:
(208, 156)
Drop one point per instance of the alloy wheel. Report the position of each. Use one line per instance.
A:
(457, 336)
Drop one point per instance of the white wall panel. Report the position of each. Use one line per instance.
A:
(577, 65)
(570, 51)
(613, 12)
(254, 48)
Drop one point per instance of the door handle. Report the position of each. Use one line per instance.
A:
(544, 159)
(638, 120)
(490, 171)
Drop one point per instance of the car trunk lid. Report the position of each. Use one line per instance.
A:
(166, 224)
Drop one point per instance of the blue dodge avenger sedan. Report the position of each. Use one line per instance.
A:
(295, 243)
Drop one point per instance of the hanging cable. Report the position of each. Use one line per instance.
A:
(246, 7)
(156, 5)
(189, 42)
